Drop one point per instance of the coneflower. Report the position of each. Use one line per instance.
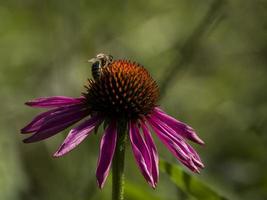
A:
(124, 98)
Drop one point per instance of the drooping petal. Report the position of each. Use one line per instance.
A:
(176, 146)
(180, 127)
(58, 121)
(107, 149)
(38, 121)
(141, 153)
(181, 143)
(153, 152)
(55, 101)
(77, 135)
(186, 148)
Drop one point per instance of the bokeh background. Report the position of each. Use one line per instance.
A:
(209, 58)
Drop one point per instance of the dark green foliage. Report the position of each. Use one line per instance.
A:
(189, 184)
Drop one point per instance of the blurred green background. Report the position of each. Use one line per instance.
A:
(209, 58)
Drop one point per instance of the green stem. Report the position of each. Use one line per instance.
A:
(118, 163)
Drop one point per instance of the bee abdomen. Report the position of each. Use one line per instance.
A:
(96, 70)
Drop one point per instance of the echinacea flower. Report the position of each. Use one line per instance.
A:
(125, 91)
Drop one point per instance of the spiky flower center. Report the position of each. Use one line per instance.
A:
(124, 90)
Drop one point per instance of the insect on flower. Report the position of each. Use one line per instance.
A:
(124, 91)
(98, 63)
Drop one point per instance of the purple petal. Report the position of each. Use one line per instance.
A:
(55, 101)
(107, 149)
(180, 127)
(38, 121)
(77, 135)
(181, 143)
(194, 159)
(58, 121)
(176, 145)
(153, 152)
(141, 153)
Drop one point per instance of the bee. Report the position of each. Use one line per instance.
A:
(98, 63)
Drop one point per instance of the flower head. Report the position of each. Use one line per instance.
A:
(123, 91)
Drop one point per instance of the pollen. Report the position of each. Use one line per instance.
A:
(125, 89)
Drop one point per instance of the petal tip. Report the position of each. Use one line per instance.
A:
(28, 103)
(26, 129)
(27, 140)
(193, 136)
(100, 184)
(31, 139)
(57, 154)
(23, 130)
(198, 140)
(62, 151)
